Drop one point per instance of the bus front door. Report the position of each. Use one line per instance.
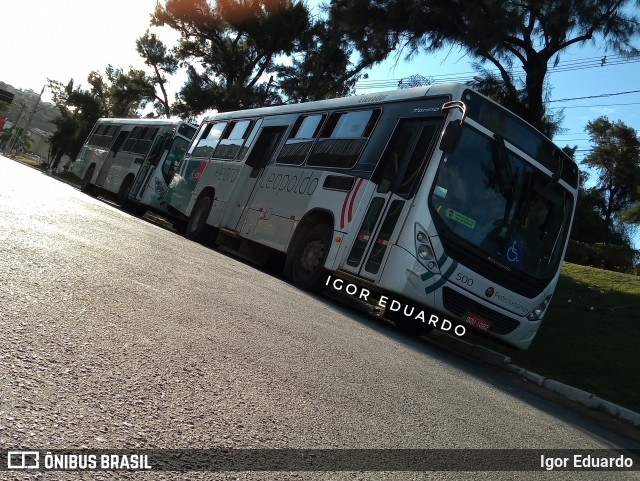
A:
(397, 176)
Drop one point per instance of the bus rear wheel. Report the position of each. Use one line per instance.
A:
(308, 258)
(197, 228)
(85, 185)
(123, 193)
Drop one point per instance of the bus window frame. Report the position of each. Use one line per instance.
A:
(206, 127)
(374, 109)
(228, 130)
(324, 115)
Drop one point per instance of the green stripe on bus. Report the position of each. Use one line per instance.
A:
(443, 279)
(427, 275)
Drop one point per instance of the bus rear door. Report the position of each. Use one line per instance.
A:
(265, 146)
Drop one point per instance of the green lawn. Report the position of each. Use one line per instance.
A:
(590, 338)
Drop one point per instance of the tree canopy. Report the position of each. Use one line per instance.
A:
(518, 38)
(229, 46)
(163, 62)
(616, 159)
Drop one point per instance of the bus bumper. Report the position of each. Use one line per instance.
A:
(445, 298)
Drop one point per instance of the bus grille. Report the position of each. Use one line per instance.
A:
(460, 305)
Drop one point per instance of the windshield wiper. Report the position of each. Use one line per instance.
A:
(503, 155)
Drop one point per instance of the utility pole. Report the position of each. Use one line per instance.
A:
(31, 114)
(14, 130)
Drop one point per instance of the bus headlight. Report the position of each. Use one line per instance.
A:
(424, 251)
(538, 312)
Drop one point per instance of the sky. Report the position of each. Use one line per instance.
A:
(67, 39)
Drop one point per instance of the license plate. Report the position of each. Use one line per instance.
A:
(477, 321)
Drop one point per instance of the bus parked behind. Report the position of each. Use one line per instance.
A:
(133, 160)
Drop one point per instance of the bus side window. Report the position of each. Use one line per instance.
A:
(207, 139)
(131, 140)
(343, 138)
(103, 136)
(249, 139)
(143, 143)
(301, 138)
(232, 140)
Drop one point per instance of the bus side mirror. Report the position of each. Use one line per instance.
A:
(451, 136)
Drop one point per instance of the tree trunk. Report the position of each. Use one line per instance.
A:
(536, 71)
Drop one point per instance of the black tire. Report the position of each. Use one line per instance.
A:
(407, 324)
(85, 185)
(306, 261)
(123, 194)
(180, 226)
(197, 228)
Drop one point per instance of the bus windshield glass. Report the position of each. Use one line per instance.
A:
(487, 196)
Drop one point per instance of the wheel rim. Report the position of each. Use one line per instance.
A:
(311, 257)
(195, 222)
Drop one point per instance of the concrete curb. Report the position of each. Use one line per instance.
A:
(574, 394)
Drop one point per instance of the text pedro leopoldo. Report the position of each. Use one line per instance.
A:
(393, 305)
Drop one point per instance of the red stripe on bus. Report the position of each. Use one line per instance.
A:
(355, 193)
(344, 209)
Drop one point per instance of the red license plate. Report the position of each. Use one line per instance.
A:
(477, 321)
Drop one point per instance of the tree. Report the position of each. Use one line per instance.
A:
(616, 159)
(79, 111)
(163, 62)
(122, 94)
(632, 215)
(321, 67)
(515, 37)
(230, 48)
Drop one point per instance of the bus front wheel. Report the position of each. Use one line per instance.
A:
(308, 258)
(197, 228)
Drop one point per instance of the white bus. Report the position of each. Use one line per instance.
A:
(133, 160)
(434, 197)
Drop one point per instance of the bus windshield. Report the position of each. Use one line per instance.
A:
(487, 196)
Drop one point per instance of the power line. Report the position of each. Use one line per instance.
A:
(595, 96)
(595, 105)
(573, 65)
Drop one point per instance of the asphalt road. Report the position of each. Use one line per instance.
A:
(119, 334)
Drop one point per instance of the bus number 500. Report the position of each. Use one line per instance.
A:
(464, 279)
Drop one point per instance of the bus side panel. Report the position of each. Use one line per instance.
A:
(221, 176)
(124, 163)
(281, 198)
(284, 194)
(89, 155)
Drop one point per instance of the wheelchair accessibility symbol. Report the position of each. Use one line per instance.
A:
(514, 253)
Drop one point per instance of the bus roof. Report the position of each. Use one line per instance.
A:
(343, 102)
(135, 121)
